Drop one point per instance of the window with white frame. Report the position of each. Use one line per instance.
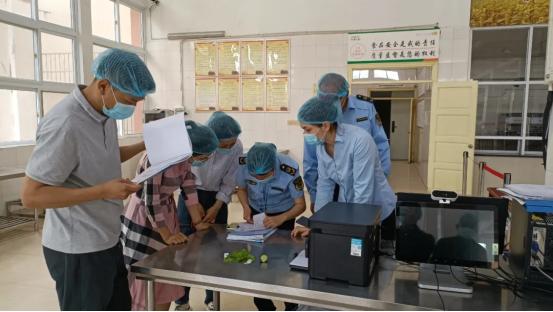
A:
(509, 64)
(40, 61)
(117, 24)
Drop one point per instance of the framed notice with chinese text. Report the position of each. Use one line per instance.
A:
(393, 46)
(253, 94)
(206, 94)
(252, 57)
(278, 57)
(277, 94)
(205, 58)
(229, 58)
(229, 94)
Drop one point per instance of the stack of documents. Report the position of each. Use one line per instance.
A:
(255, 232)
(167, 143)
(528, 192)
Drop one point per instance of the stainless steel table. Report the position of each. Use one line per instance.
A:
(394, 287)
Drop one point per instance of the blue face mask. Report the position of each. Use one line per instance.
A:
(223, 151)
(264, 180)
(267, 180)
(119, 110)
(198, 163)
(312, 139)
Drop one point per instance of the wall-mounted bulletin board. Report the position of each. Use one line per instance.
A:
(242, 75)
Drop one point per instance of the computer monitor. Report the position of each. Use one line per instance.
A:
(447, 237)
(452, 234)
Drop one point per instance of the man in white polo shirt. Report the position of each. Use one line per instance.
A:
(75, 173)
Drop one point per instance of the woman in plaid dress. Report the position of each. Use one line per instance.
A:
(150, 221)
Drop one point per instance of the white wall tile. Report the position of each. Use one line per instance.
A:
(23, 154)
(446, 44)
(9, 157)
(461, 52)
(302, 78)
(5, 156)
(459, 71)
(321, 53)
(444, 72)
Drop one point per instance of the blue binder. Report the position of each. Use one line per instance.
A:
(539, 206)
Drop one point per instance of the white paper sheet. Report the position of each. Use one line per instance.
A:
(258, 221)
(532, 191)
(167, 143)
(300, 262)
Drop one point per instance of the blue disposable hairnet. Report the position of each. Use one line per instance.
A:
(204, 140)
(261, 158)
(333, 84)
(224, 126)
(316, 111)
(125, 71)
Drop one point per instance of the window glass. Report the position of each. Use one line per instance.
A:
(57, 59)
(130, 25)
(18, 120)
(103, 18)
(49, 99)
(500, 110)
(17, 58)
(499, 55)
(55, 11)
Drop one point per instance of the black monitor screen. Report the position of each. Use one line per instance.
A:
(455, 234)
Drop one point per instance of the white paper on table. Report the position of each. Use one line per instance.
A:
(167, 143)
(532, 191)
(300, 262)
(258, 221)
(256, 226)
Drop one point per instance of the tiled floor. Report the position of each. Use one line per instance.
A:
(405, 177)
(26, 285)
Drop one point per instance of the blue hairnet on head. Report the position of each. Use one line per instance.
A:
(204, 140)
(125, 71)
(332, 85)
(224, 126)
(316, 111)
(261, 158)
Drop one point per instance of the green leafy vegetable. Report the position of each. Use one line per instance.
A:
(240, 256)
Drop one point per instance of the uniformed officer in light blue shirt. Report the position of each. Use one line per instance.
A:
(270, 183)
(347, 157)
(357, 110)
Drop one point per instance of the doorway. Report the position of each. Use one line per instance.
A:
(400, 132)
(445, 118)
(384, 110)
(395, 108)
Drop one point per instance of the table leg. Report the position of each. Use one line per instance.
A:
(217, 300)
(150, 299)
(36, 219)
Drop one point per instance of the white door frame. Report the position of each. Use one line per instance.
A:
(412, 111)
(433, 65)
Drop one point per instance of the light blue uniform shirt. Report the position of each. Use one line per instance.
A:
(361, 113)
(356, 169)
(276, 195)
(219, 173)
